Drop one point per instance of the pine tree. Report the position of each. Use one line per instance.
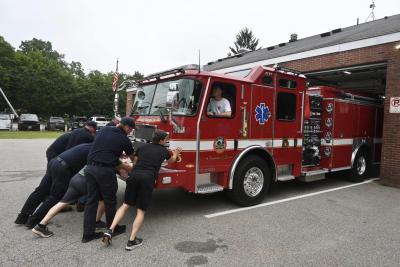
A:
(244, 40)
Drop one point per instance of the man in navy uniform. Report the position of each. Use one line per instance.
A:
(82, 135)
(58, 146)
(140, 185)
(104, 155)
(60, 169)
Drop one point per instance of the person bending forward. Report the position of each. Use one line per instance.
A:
(140, 185)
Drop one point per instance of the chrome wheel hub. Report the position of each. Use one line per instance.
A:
(361, 165)
(253, 181)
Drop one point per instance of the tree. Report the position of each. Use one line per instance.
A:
(7, 63)
(44, 47)
(244, 40)
(37, 79)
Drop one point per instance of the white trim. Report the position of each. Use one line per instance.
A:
(207, 145)
(185, 145)
(131, 89)
(383, 39)
(341, 169)
(251, 142)
(217, 214)
(285, 178)
(338, 142)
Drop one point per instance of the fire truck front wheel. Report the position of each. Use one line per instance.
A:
(251, 180)
(361, 166)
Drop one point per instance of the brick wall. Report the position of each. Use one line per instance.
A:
(390, 161)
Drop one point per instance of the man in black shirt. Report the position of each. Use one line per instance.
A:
(40, 192)
(58, 146)
(140, 184)
(82, 135)
(113, 122)
(61, 169)
(108, 146)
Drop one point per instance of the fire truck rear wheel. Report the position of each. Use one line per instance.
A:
(251, 180)
(361, 166)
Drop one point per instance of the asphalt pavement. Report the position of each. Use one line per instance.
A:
(351, 226)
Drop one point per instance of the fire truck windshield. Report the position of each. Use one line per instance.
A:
(180, 96)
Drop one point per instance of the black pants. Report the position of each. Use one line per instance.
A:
(60, 177)
(38, 195)
(41, 192)
(100, 180)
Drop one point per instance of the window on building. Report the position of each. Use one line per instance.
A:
(285, 83)
(286, 107)
(222, 100)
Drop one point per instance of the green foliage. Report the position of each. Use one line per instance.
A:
(29, 135)
(37, 79)
(244, 40)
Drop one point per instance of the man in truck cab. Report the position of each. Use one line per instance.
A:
(218, 105)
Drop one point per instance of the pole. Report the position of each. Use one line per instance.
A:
(8, 102)
(116, 96)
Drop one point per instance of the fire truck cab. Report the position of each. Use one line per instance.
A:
(277, 130)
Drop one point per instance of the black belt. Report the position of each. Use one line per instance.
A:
(99, 164)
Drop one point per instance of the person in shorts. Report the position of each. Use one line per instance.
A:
(76, 189)
(140, 184)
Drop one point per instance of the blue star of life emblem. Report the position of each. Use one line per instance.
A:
(262, 113)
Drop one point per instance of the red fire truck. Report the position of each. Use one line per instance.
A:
(277, 130)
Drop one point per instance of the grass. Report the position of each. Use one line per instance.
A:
(29, 135)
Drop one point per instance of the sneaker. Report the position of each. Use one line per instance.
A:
(120, 229)
(132, 244)
(42, 231)
(88, 238)
(32, 221)
(21, 218)
(107, 238)
(100, 225)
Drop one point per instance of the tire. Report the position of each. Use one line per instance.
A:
(253, 172)
(361, 166)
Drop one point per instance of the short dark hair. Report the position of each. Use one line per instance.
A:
(158, 136)
(128, 121)
(92, 124)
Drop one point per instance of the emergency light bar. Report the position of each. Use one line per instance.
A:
(175, 71)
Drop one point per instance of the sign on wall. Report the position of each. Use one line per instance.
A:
(394, 105)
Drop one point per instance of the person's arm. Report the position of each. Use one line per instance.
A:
(128, 149)
(124, 166)
(134, 161)
(209, 112)
(227, 109)
(175, 155)
(224, 114)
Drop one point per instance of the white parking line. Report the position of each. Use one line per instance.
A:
(213, 215)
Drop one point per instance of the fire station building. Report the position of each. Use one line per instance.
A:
(361, 58)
